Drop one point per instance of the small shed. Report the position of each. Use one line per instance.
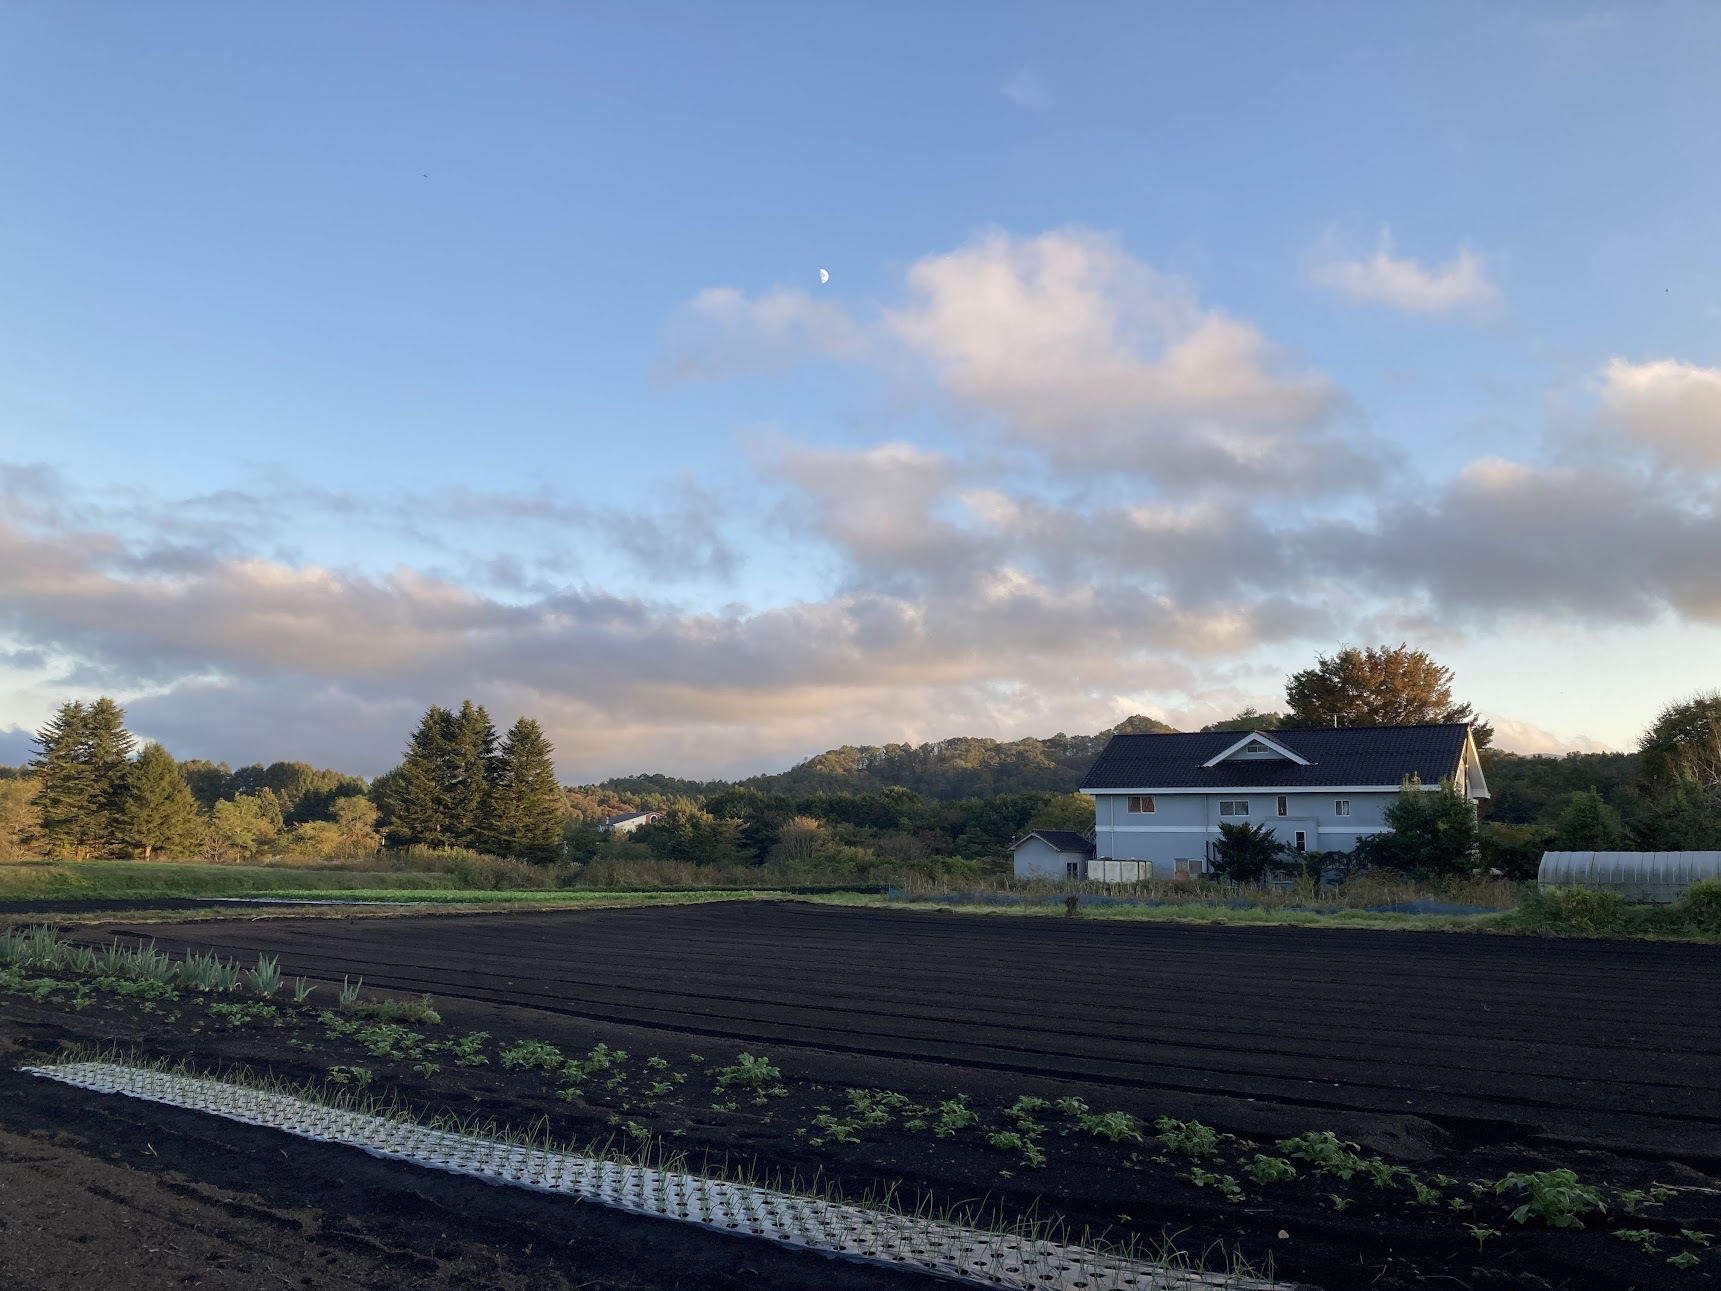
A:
(1636, 876)
(1052, 854)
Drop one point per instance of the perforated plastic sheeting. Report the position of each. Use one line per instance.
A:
(850, 1232)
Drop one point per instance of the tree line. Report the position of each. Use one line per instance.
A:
(92, 792)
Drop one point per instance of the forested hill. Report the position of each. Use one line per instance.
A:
(1525, 789)
(946, 770)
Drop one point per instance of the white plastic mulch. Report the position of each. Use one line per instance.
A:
(809, 1223)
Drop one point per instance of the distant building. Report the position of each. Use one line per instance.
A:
(629, 821)
(1159, 799)
(1052, 854)
(1162, 798)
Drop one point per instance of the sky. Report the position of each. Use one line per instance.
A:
(358, 357)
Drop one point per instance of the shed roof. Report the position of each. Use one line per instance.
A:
(1064, 840)
(1351, 756)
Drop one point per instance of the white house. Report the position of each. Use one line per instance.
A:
(629, 821)
(1159, 799)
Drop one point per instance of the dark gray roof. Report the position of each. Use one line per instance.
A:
(1065, 840)
(1346, 755)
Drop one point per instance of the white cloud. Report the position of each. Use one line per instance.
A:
(1461, 285)
(724, 331)
(1671, 408)
(1512, 736)
(1026, 90)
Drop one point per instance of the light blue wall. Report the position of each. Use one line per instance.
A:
(1038, 859)
(1182, 824)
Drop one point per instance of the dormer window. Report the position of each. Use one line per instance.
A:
(1255, 746)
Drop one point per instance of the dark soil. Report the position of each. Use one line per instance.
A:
(1465, 1055)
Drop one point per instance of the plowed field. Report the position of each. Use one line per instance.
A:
(1487, 1039)
(1465, 1057)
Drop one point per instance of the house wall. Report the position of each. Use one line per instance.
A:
(1182, 824)
(1038, 859)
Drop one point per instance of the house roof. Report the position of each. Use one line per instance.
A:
(1349, 756)
(1064, 840)
(629, 815)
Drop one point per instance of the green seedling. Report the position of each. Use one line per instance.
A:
(1340, 1204)
(954, 1114)
(532, 1055)
(1481, 1234)
(426, 1068)
(1326, 1153)
(1684, 1261)
(1646, 1239)
(468, 1051)
(359, 1076)
(1266, 1169)
(1695, 1237)
(349, 995)
(301, 990)
(1195, 1140)
(1228, 1187)
(1556, 1198)
(748, 1072)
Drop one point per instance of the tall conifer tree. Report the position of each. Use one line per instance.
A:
(470, 775)
(418, 810)
(160, 814)
(66, 797)
(527, 803)
(83, 757)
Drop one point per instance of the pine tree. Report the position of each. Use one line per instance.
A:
(417, 806)
(527, 807)
(65, 797)
(107, 748)
(469, 775)
(160, 815)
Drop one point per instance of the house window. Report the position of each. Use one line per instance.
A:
(1140, 802)
(1233, 806)
(1254, 746)
(1341, 806)
(1072, 869)
(1302, 841)
(1284, 805)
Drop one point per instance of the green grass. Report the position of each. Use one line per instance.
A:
(529, 896)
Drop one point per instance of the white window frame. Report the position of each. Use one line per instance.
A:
(1341, 806)
(1139, 804)
(1228, 806)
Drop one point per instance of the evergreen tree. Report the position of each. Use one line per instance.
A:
(160, 815)
(1434, 833)
(66, 796)
(1588, 824)
(526, 803)
(109, 747)
(469, 774)
(417, 807)
(83, 761)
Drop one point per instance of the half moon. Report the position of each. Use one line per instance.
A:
(824, 275)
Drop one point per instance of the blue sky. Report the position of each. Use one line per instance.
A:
(358, 357)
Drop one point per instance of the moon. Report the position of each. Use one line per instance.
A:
(824, 275)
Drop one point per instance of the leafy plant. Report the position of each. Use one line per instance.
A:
(1325, 1152)
(349, 995)
(532, 1055)
(1556, 1198)
(1195, 1140)
(468, 1051)
(953, 1114)
(1695, 1237)
(1266, 1169)
(1645, 1238)
(301, 990)
(1685, 1260)
(1481, 1234)
(748, 1072)
(360, 1076)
